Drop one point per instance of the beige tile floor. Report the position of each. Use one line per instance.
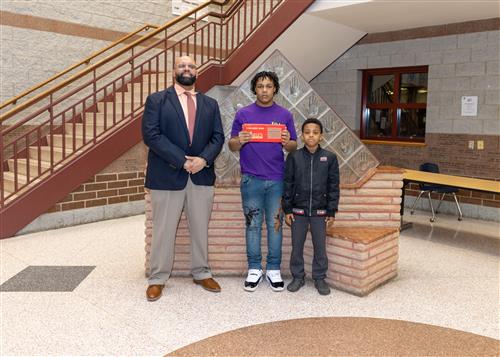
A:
(448, 276)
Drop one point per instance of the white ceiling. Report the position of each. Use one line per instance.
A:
(335, 25)
(389, 15)
(325, 48)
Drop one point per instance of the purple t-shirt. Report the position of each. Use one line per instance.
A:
(263, 160)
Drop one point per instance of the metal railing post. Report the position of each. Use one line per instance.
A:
(51, 131)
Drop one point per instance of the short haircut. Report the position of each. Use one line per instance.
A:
(313, 121)
(265, 74)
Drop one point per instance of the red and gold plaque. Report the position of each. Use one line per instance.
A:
(265, 133)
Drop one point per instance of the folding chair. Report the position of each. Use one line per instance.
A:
(440, 189)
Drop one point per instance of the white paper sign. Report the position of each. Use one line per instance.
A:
(180, 7)
(469, 106)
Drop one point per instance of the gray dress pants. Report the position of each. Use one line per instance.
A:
(167, 208)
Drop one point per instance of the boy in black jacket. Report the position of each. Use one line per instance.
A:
(311, 198)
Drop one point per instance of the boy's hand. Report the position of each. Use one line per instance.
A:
(329, 221)
(289, 219)
(244, 137)
(285, 137)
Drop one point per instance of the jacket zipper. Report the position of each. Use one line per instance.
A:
(311, 189)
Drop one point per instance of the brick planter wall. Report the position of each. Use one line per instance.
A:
(361, 259)
(375, 204)
(104, 189)
(120, 182)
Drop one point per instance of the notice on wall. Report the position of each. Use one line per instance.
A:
(180, 7)
(469, 106)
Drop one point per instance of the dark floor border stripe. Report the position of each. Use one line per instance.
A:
(457, 28)
(30, 22)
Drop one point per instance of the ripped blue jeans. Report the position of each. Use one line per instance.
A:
(262, 198)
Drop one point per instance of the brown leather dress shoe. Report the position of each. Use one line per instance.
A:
(208, 284)
(153, 292)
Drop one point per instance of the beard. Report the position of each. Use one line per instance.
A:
(185, 81)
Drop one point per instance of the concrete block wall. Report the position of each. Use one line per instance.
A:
(27, 57)
(463, 64)
(460, 64)
(116, 15)
(72, 29)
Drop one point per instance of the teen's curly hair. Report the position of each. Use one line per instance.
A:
(265, 74)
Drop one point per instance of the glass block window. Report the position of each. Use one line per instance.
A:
(355, 160)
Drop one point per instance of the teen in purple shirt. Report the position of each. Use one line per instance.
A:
(262, 171)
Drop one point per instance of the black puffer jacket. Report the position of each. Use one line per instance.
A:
(311, 183)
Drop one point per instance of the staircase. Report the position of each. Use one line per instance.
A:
(52, 142)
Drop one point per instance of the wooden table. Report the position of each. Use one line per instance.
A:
(446, 180)
(449, 180)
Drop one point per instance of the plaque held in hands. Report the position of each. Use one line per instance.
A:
(265, 133)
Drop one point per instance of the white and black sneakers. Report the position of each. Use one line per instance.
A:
(275, 281)
(253, 279)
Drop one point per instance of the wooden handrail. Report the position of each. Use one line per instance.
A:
(85, 61)
(89, 69)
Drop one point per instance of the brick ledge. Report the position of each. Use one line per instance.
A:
(360, 235)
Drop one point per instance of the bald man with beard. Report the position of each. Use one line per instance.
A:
(183, 131)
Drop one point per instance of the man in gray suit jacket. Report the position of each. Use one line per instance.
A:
(183, 131)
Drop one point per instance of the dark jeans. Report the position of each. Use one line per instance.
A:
(318, 232)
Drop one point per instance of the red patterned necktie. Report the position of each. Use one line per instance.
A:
(191, 109)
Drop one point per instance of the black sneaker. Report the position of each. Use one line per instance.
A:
(253, 279)
(295, 285)
(322, 287)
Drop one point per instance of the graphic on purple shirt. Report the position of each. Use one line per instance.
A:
(263, 160)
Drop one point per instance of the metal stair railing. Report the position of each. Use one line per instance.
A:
(44, 133)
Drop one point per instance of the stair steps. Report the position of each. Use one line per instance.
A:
(89, 128)
(45, 153)
(9, 181)
(68, 140)
(22, 165)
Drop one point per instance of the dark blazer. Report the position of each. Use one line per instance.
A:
(165, 132)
